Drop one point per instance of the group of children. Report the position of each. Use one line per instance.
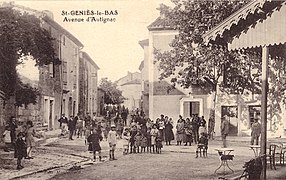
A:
(140, 140)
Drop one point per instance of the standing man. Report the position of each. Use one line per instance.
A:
(13, 126)
(255, 131)
(224, 130)
(71, 127)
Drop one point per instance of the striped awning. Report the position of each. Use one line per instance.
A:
(271, 31)
(233, 19)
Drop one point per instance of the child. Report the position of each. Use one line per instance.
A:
(153, 133)
(138, 138)
(7, 139)
(111, 138)
(159, 144)
(143, 142)
(94, 143)
(202, 144)
(126, 138)
(20, 150)
(148, 138)
(103, 128)
(133, 133)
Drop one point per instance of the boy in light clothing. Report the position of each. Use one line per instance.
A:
(111, 138)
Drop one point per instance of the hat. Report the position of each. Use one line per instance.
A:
(113, 125)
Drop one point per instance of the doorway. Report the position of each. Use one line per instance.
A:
(51, 114)
(230, 113)
(191, 107)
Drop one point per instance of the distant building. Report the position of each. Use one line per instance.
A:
(163, 97)
(144, 69)
(88, 81)
(130, 86)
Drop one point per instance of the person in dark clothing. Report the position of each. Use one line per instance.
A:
(203, 121)
(71, 127)
(94, 143)
(20, 150)
(87, 120)
(169, 135)
(202, 144)
(13, 126)
(196, 124)
(63, 121)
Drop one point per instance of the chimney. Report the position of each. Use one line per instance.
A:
(48, 13)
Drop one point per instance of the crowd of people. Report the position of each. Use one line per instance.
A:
(139, 133)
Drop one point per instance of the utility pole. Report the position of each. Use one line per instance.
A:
(265, 59)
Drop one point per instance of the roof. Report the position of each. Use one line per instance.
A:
(269, 32)
(254, 7)
(62, 30)
(161, 23)
(144, 42)
(135, 81)
(87, 57)
(45, 17)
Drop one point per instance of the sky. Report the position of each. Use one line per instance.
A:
(113, 45)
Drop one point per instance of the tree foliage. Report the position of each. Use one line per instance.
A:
(112, 95)
(25, 94)
(191, 62)
(21, 35)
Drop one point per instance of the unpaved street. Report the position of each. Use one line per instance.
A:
(64, 159)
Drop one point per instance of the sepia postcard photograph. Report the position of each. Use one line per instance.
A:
(143, 89)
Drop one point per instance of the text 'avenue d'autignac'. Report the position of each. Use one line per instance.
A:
(90, 16)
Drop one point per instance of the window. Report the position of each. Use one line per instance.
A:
(65, 78)
(51, 70)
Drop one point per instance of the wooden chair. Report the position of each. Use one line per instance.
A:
(270, 157)
(280, 153)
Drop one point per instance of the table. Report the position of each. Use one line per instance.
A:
(255, 149)
(224, 157)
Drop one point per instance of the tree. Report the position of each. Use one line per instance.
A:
(191, 62)
(112, 95)
(25, 94)
(21, 35)
(200, 64)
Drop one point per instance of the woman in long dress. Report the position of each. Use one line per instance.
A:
(30, 133)
(180, 131)
(169, 135)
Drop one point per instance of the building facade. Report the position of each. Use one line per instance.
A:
(164, 98)
(88, 81)
(130, 85)
(58, 83)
